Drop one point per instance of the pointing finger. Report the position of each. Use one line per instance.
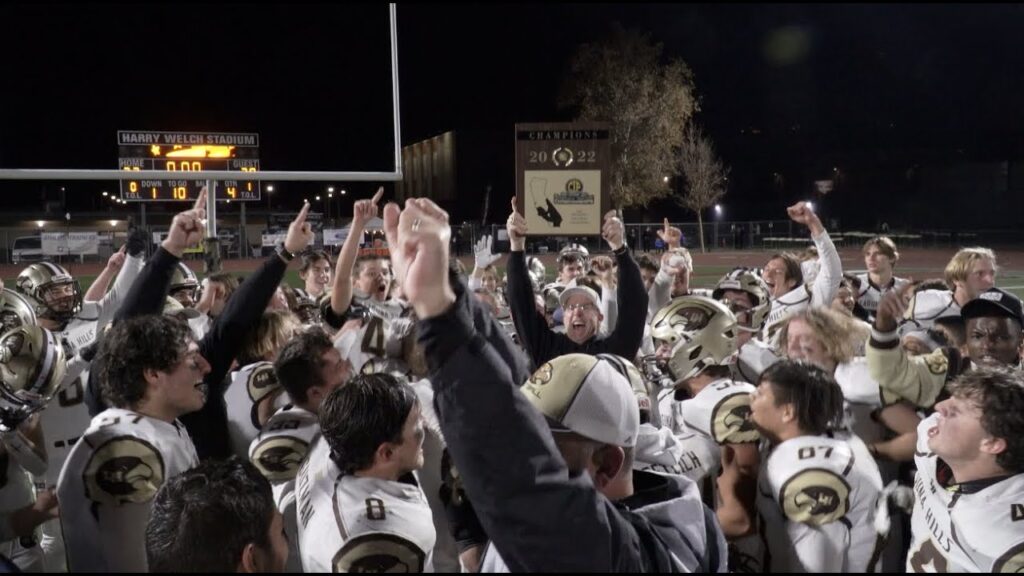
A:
(301, 218)
(377, 196)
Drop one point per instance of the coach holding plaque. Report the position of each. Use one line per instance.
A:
(562, 190)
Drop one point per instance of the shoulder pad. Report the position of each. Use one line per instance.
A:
(378, 552)
(124, 470)
(815, 496)
(278, 458)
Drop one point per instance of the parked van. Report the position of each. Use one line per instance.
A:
(27, 249)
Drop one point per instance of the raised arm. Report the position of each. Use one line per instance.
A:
(629, 330)
(530, 324)
(362, 212)
(148, 291)
(99, 286)
(826, 284)
(514, 475)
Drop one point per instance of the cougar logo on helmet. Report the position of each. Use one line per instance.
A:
(31, 368)
(701, 331)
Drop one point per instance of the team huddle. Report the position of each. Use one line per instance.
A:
(400, 414)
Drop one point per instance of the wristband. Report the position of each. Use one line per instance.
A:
(284, 253)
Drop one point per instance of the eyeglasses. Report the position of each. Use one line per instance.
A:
(580, 307)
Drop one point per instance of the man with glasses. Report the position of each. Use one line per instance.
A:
(581, 304)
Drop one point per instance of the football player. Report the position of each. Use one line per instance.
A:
(816, 490)
(32, 366)
(744, 292)
(696, 338)
(880, 258)
(784, 277)
(254, 393)
(60, 308)
(227, 512)
(360, 508)
(969, 485)
(308, 368)
(152, 373)
(969, 272)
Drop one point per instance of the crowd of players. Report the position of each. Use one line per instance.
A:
(401, 414)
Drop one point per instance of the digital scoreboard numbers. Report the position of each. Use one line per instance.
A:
(142, 150)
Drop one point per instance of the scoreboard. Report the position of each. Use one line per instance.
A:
(142, 150)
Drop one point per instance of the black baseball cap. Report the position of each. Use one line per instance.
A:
(994, 302)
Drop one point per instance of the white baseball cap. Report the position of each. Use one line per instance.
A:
(573, 289)
(586, 395)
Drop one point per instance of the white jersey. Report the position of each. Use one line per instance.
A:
(288, 438)
(16, 492)
(871, 294)
(927, 307)
(108, 483)
(956, 530)
(66, 417)
(251, 386)
(820, 293)
(687, 454)
(717, 415)
(358, 524)
(816, 497)
(754, 358)
(862, 399)
(384, 328)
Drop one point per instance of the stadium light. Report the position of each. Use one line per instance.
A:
(39, 223)
(718, 209)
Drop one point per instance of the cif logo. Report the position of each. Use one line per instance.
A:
(574, 185)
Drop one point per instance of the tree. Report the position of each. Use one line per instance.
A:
(624, 82)
(705, 175)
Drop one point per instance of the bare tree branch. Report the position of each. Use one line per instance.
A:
(706, 176)
(648, 103)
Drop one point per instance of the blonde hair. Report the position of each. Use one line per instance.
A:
(959, 267)
(840, 335)
(275, 329)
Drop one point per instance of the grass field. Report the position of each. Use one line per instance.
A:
(915, 263)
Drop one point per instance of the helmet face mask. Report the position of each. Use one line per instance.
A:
(57, 295)
(749, 281)
(32, 365)
(701, 332)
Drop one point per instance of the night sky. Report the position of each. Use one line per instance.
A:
(786, 92)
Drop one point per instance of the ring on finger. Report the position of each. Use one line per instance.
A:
(416, 225)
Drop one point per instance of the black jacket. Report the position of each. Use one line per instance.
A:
(208, 426)
(538, 516)
(543, 344)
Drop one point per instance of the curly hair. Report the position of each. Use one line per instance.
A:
(135, 345)
(839, 334)
(999, 394)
